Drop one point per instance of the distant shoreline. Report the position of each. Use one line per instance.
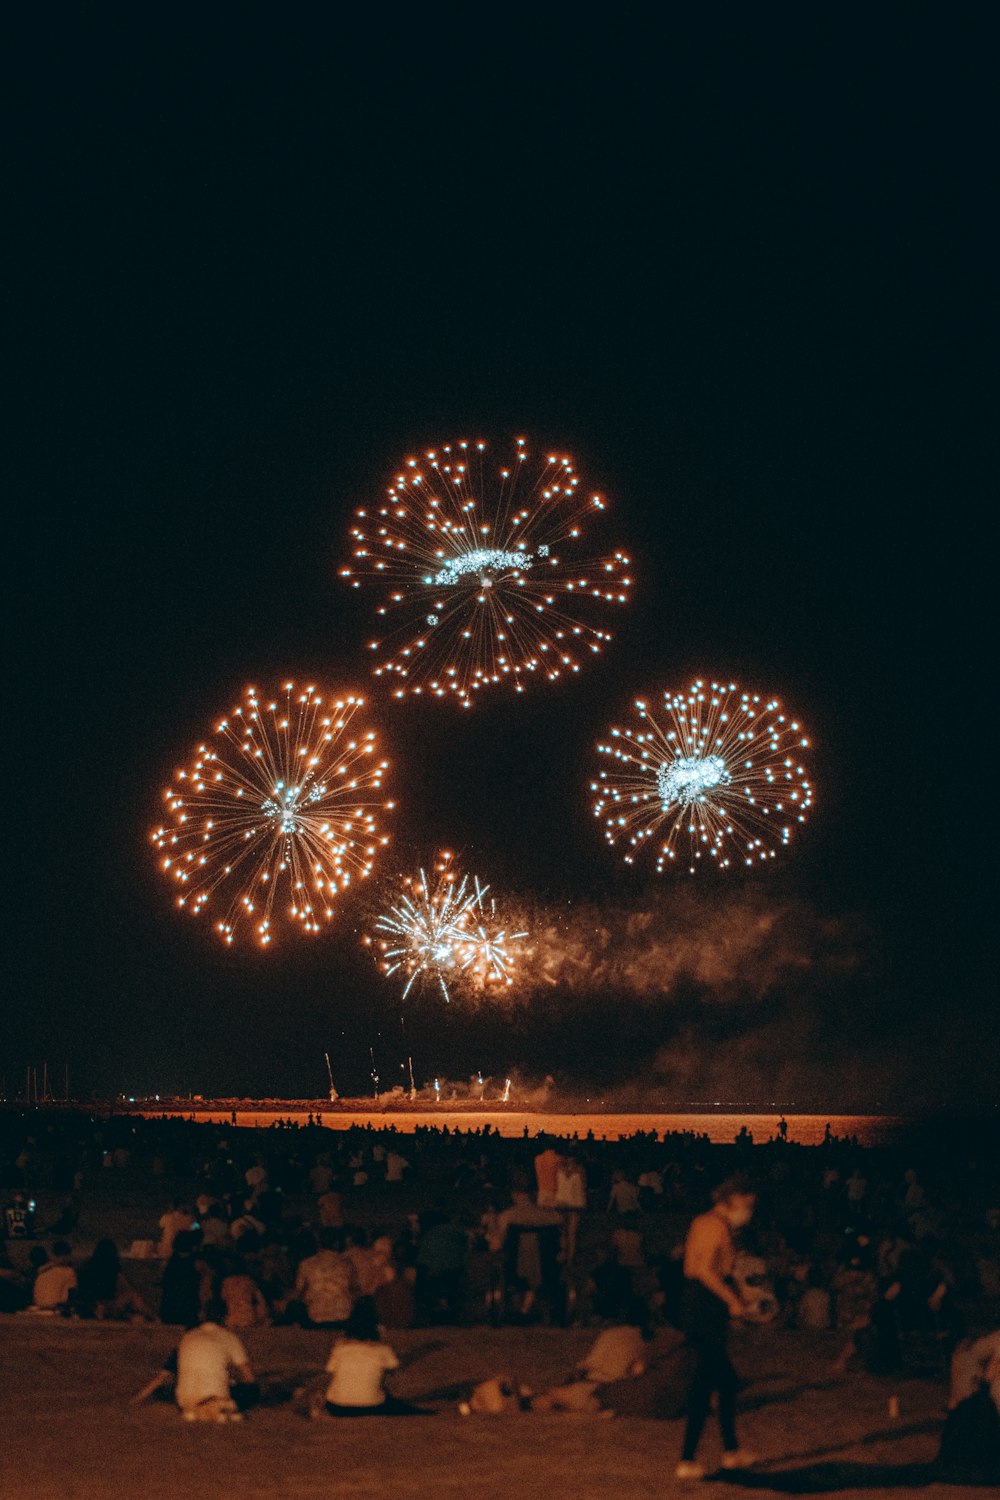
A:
(512, 1120)
(720, 1124)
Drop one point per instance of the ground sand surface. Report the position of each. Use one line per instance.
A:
(69, 1434)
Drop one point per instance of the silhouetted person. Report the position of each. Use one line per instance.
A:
(708, 1301)
(180, 1300)
(358, 1364)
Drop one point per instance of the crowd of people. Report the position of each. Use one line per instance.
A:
(658, 1242)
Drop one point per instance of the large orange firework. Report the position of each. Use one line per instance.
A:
(276, 814)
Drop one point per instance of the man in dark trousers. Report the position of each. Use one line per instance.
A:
(708, 1301)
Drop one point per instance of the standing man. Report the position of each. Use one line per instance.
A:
(708, 1301)
(546, 1174)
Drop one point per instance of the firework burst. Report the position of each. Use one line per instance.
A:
(443, 932)
(276, 814)
(714, 775)
(486, 580)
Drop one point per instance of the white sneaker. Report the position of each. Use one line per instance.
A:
(688, 1469)
(739, 1458)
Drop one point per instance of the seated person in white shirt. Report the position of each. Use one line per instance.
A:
(208, 1357)
(55, 1282)
(358, 1364)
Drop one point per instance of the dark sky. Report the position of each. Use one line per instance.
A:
(737, 260)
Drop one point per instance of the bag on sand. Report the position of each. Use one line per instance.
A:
(576, 1397)
(498, 1397)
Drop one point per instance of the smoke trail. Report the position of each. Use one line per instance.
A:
(743, 945)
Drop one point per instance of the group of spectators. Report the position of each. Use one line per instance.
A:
(898, 1248)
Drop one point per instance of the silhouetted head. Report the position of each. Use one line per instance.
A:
(363, 1322)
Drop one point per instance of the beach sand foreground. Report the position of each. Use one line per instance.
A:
(69, 1433)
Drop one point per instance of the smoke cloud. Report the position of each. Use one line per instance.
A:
(739, 946)
(706, 996)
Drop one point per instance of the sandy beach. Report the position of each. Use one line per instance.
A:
(71, 1435)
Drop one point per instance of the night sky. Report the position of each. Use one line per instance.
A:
(737, 261)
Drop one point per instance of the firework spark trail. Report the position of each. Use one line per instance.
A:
(717, 773)
(281, 802)
(485, 586)
(446, 934)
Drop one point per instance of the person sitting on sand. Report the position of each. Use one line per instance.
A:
(619, 1351)
(180, 1300)
(970, 1443)
(207, 1358)
(326, 1284)
(55, 1282)
(358, 1364)
(975, 1365)
(628, 1372)
(14, 1294)
(656, 1384)
(244, 1301)
(104, 1291)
